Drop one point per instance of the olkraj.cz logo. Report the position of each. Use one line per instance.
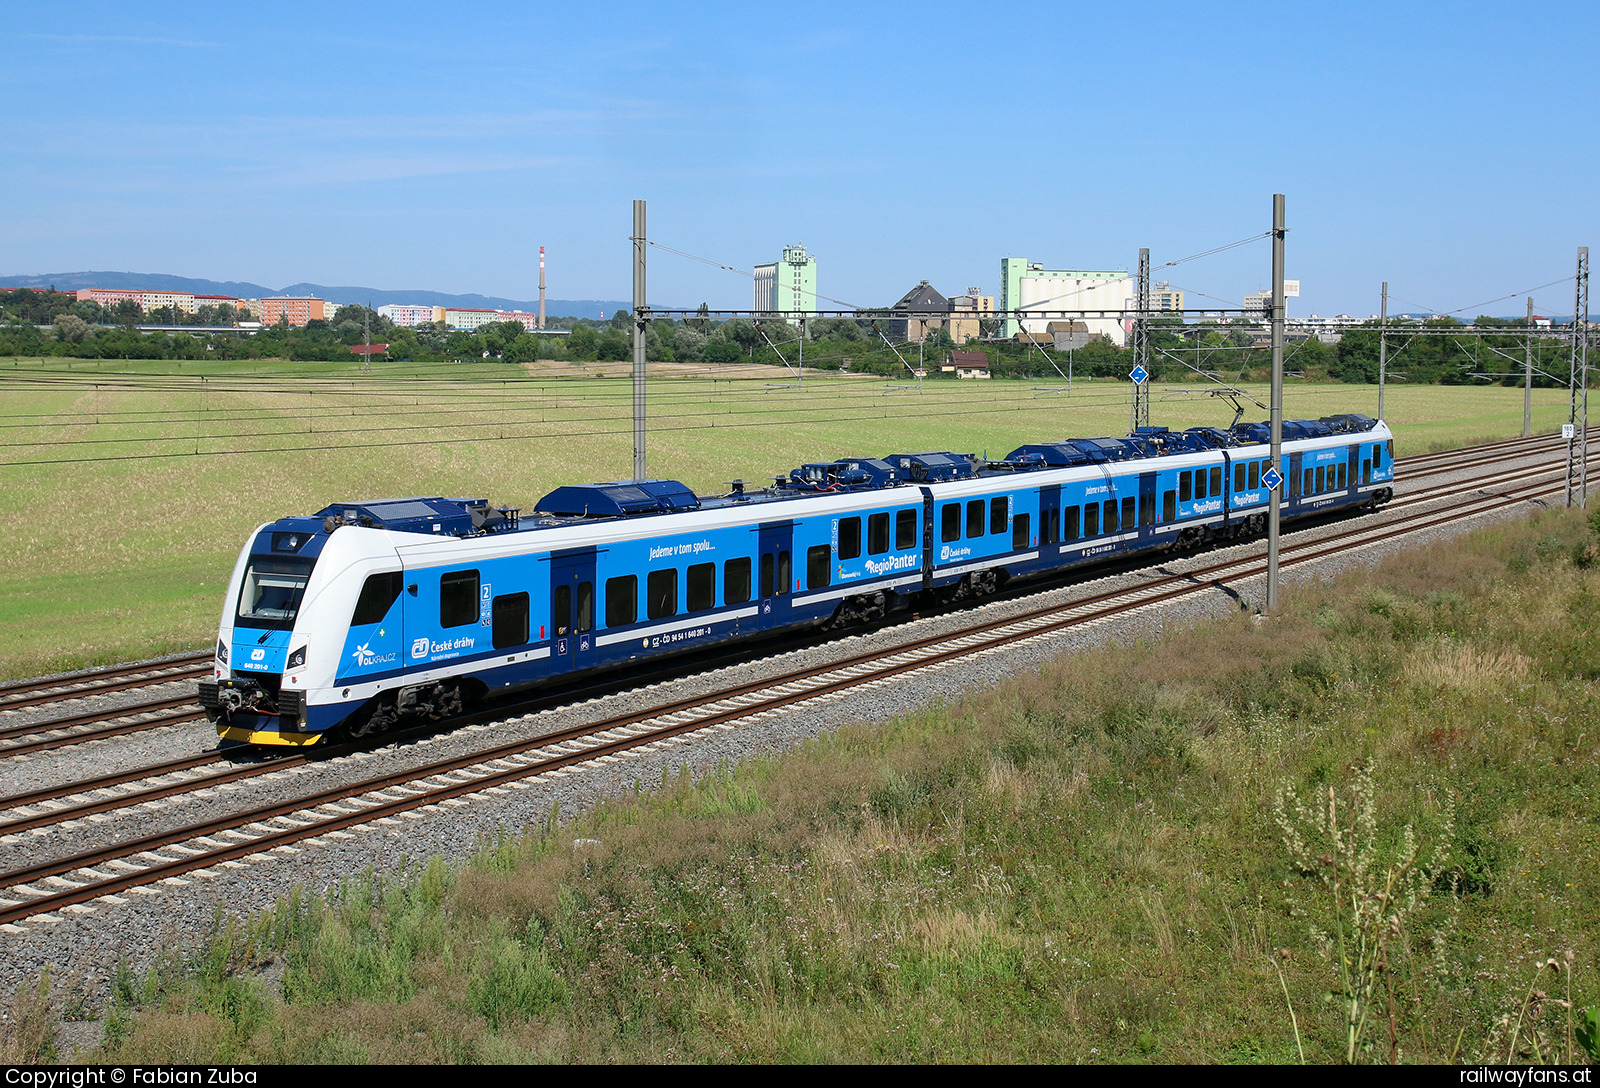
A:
(419, 648)
(365, 657)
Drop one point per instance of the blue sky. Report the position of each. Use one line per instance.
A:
(1445, 148)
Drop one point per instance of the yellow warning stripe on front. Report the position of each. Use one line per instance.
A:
(249, 736)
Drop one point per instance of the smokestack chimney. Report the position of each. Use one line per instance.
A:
(541, 287)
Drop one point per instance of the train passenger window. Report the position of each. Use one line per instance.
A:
(701, 587)
(950, 522)
(1321, 479)
(783, 573)
(509, 620)
(819, 561)
(1366, 470)
(622, 600)
(458, 598)
(378, 594)
(975, 518)
(736, 580)
(1108, 522)
(1091, 519)
(1255, 475)
(849, 538)
(561, 611)
(1377, 456)
(905, 529)
(1021, 535)
(999, 514)
(1129, 513)
(1186, 486)
(877, 534)
(1344, 475)
(661, 593)
(1238, 477)
(1069, 523)
(585, 607)
(1199, 483)
(1216, 480)
(766, 575)
(1169, 506)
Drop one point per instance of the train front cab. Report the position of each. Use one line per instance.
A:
(247, 698)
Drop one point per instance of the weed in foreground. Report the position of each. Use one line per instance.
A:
(28, 1026)
(1369, 894)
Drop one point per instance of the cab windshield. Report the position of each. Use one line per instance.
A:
(272, 590)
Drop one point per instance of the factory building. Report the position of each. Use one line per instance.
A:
(788, 287)
(968, 312)
(1028, 285)
(922, 300)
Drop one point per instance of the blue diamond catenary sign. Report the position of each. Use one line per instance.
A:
(1139, 375)
(1271, 479)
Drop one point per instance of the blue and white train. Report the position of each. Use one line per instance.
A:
(372, 615)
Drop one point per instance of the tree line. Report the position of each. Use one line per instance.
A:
(1229, 351)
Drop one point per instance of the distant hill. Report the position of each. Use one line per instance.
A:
(149, 281)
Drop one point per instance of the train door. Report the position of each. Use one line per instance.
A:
(1349, 477)
(1226, 494)
(775, 571)
(1294, 485)
(571, 619)
(1147, 503)
(1050, 514)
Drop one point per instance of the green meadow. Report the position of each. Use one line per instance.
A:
(128, 487)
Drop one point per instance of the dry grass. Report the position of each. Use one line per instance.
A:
(1449, 664)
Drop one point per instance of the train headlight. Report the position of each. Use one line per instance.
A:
(222, 651)
(297, 658)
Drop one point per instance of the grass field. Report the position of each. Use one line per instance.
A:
(127, 487)
(1102, 861)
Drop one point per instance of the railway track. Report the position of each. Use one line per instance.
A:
(122, 789)
(71, 883)
(1505, 448)
(94, 725)
(106, 681)
(64, 732)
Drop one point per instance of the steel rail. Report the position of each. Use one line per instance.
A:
(49, 697)
(101, 678)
